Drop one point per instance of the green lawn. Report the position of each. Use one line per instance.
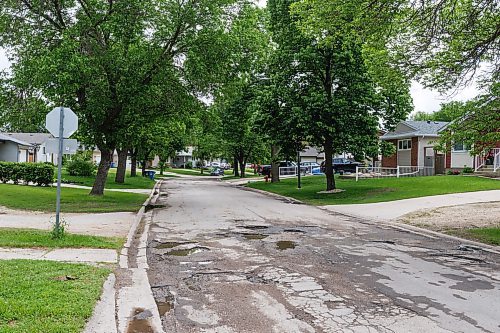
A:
(376, 190)
(72, 200)
(484, 235)
(40, 238)
(130, 182)
(36, 298)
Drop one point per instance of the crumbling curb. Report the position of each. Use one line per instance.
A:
(133, 291)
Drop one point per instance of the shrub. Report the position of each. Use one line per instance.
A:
(37, 173)
(81, 165)
(467, 170)
(189, 164)
(453, 172)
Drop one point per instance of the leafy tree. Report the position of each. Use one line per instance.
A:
(340, 98)
(441, 42)
(448, 112)
(105, 58)
(478, 123)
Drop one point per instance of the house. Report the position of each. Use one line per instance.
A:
(312, 154)
(414, 142)
(37, 151)
(13, 150)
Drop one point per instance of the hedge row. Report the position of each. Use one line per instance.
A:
(36, 173)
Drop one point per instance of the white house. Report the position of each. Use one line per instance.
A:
(13, 150)
(37, 150)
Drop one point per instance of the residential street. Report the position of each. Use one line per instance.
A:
(226, 259)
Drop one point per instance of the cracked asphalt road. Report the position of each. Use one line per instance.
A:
(225, 259)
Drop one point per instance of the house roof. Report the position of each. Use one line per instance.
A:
(5, 137)
(417, 128)
(312, 151)
(33, 138)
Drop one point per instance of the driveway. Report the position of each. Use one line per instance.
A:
(394, 209)
(223, 259)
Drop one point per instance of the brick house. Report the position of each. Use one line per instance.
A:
(414, 142)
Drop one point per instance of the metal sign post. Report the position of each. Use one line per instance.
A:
(59, 166)
(61, 122)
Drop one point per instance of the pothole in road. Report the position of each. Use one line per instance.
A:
(254, 227)
(164, 307)
(295, 231)
(140, 322)
(150, 207)
(285, 245)
(187, 252)
(254, 236)
(169, 245)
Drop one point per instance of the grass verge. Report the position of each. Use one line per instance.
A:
(375, 190)
(189, 172)
(484, 235)
(35, 297)
(72, 200)
(130, 182)
(39, 238)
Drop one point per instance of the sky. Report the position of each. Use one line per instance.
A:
(425, 100)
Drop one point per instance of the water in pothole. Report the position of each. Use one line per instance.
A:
(140, 322)
(164, 307)
(169, 245)
(254, 236)
(187, 252)
(285, 245)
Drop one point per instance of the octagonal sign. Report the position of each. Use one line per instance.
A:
(70, 122)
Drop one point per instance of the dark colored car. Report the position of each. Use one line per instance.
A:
(217, 171)
(342, 165)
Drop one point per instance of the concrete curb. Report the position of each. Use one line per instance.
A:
(103, 318)
(135, 293)
(396, 225)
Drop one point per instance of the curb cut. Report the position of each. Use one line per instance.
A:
(395, 225)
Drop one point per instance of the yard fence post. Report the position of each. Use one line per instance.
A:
(357, 170)
(397, 172)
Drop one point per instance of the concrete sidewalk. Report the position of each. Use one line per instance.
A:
(66, 255)
(126, 190)
(393, 209)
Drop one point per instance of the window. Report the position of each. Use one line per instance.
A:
(404, 144)
(460, 146)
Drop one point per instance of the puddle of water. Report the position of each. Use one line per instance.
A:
(164, 307)
(255, 227)
(295, 230)
(139, 324)
(187, 252)
(169, 245)
(153, 206)
(255, 236)
(285, 245)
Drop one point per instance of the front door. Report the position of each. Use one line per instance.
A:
(439, 164)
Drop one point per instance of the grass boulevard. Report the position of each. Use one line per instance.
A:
(375, 190)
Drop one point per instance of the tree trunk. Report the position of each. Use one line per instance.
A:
(133, 160)
(330, 176)
(242, 168)
(102, 172)
(143, 170)
(275, 170)
(122, 166)
(236, 170)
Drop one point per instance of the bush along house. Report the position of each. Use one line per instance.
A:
(415, 143)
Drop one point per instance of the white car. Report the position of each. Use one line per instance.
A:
(215, 164)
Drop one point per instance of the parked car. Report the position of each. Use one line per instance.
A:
(342, 165)
(217, 171)
(266, 169)
(215, 165)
